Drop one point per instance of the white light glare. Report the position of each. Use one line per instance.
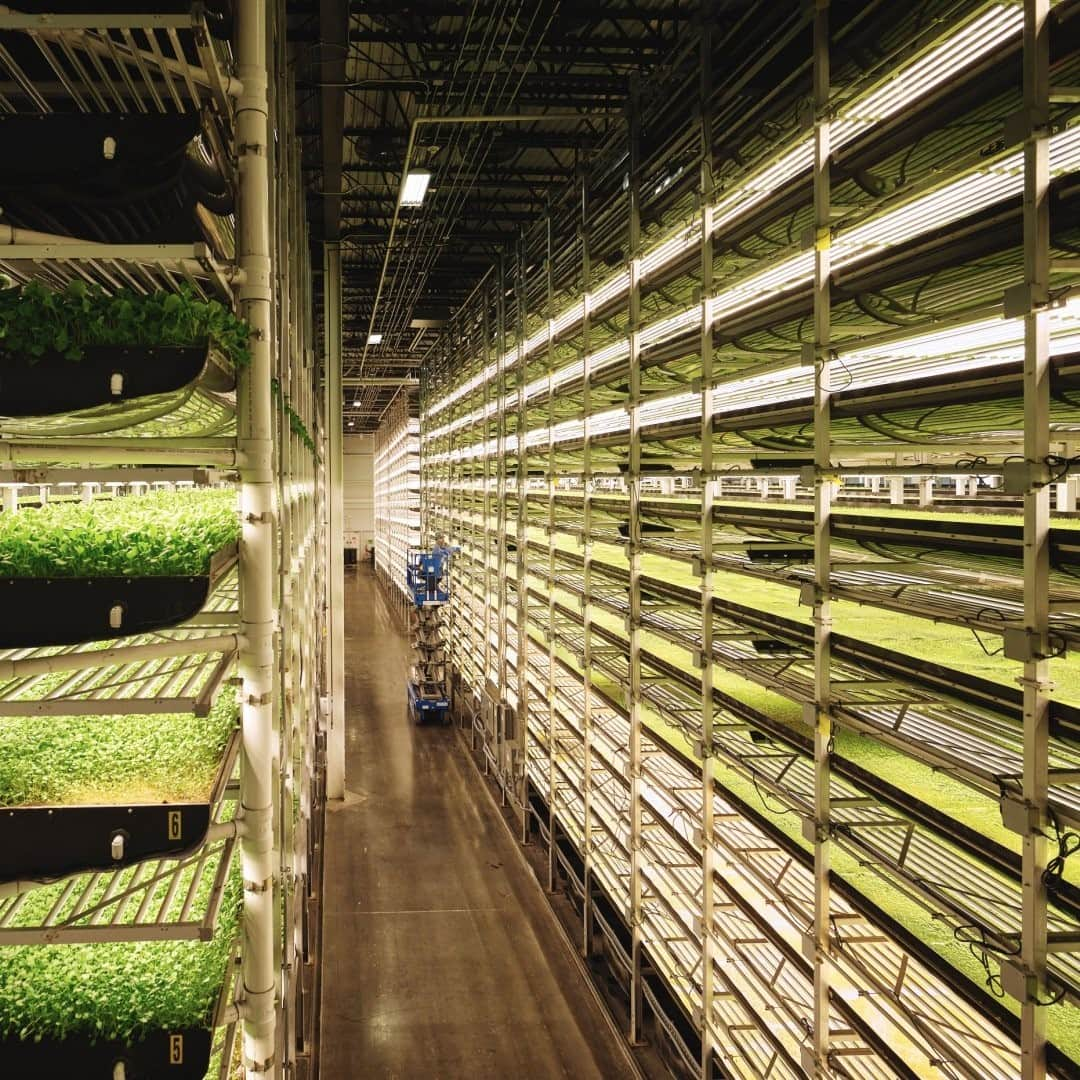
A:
(374, 339)
(415, 187)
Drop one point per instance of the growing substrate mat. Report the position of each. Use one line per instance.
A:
(73, 572)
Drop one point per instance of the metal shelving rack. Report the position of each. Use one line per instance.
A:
(256, 632)
(861, 295)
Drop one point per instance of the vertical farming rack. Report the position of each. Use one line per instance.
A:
(762, 455)
(397, 496)
(158, 173)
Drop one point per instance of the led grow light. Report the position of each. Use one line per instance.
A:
(918, 214)
(952, 350)
(920, 73)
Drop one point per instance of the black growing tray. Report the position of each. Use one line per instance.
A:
(53, 385)
(182, 1054)
(67, 611)
(39, 843)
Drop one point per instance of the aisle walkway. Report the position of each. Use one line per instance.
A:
(440, 960)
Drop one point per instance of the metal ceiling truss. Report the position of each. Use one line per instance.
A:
(366, 72)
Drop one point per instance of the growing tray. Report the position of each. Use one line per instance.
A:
(182, 1054)
(67, 611)
(43, 843)
(106, 375)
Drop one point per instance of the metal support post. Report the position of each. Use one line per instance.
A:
(708, 712)
(587, 576)
(335, 540)
(1036, 672)
(633, 479)
(480, 429)
(502, 519)
(821, 824)
(553, 733)
(521, 371)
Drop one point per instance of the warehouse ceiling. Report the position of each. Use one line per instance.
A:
(367, 71)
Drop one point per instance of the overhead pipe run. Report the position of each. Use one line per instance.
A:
(375, 380)
(500, 118)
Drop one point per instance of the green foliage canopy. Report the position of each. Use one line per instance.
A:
(133, 757)
(35, 320)
(159, 534)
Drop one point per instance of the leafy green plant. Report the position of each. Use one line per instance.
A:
(296, 422)
(116, 990)
(162, 533)
(35, 321)
(129, 758)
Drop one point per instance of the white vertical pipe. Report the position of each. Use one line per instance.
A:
(256, 659)
(335, 545)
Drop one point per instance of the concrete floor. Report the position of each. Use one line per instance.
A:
(440, 958)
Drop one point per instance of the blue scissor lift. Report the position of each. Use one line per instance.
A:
(428, 581)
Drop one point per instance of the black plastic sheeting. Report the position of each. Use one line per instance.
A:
(44, 842)
(105, 375)
(183, 1054)
(67, 611)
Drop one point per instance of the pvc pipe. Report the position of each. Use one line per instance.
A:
(10, 235)
(77, 661)
(255, 445)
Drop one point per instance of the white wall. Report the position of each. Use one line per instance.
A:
(359, 484)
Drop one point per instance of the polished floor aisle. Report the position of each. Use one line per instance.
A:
(440, 959)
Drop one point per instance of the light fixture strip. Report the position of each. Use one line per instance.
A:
(916, 77)
(957, 349)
